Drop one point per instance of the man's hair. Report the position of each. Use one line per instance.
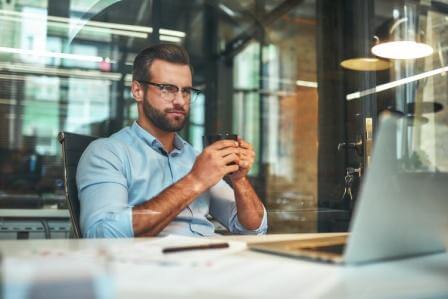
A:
(167, 52)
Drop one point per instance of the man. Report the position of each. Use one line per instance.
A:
(145, 180)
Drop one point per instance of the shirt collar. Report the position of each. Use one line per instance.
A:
(179, 143)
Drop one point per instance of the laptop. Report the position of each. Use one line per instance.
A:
(402, 209)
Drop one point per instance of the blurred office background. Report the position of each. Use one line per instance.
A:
(296, 78)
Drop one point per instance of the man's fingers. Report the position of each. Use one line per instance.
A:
(244, 144)
(231, 168)
(245, 163)
(218, 145)
(228, 151)
(247, 154)
(232, 158)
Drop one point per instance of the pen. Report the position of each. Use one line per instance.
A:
(195, 247)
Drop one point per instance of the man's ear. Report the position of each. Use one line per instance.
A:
(137, 91)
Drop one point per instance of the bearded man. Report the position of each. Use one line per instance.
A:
(145, 180)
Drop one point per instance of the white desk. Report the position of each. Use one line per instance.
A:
(42, 216)
(248, 274)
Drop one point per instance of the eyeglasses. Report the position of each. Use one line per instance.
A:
(168, 92)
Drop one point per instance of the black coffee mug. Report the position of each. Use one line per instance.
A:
(209, 139)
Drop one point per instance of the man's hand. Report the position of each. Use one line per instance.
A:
(246, 160)
(216, 161)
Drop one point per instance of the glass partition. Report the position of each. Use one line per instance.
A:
(297, 79)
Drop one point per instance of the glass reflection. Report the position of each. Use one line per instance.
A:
(270, 72)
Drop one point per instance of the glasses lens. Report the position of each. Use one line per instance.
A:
(186, 93)
(170, 89)
(168, 92)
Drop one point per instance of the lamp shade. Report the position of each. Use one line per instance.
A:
(367, 64)
(402, 50)
(401, 37)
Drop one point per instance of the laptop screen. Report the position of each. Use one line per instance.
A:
(422, 145)
(402, 207)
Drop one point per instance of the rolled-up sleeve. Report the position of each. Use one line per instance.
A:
(102, 192)
(223, 209)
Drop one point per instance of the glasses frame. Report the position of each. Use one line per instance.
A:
(194, 92)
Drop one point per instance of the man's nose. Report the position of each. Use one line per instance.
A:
(179, 99)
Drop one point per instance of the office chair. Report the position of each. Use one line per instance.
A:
(73, 145)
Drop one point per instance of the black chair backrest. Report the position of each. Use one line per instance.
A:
(73, 145)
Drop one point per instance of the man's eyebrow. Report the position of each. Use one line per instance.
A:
(188, 86)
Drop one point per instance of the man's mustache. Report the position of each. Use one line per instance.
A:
(176, 111)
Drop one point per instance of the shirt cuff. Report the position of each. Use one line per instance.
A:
(117, 224)
(261, 230)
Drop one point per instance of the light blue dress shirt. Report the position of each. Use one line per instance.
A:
(130, 167)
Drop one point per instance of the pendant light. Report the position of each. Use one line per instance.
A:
(401, 38)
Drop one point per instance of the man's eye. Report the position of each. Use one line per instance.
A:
(186, 90)
(170, 88)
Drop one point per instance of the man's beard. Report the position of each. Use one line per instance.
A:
(160, 119)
